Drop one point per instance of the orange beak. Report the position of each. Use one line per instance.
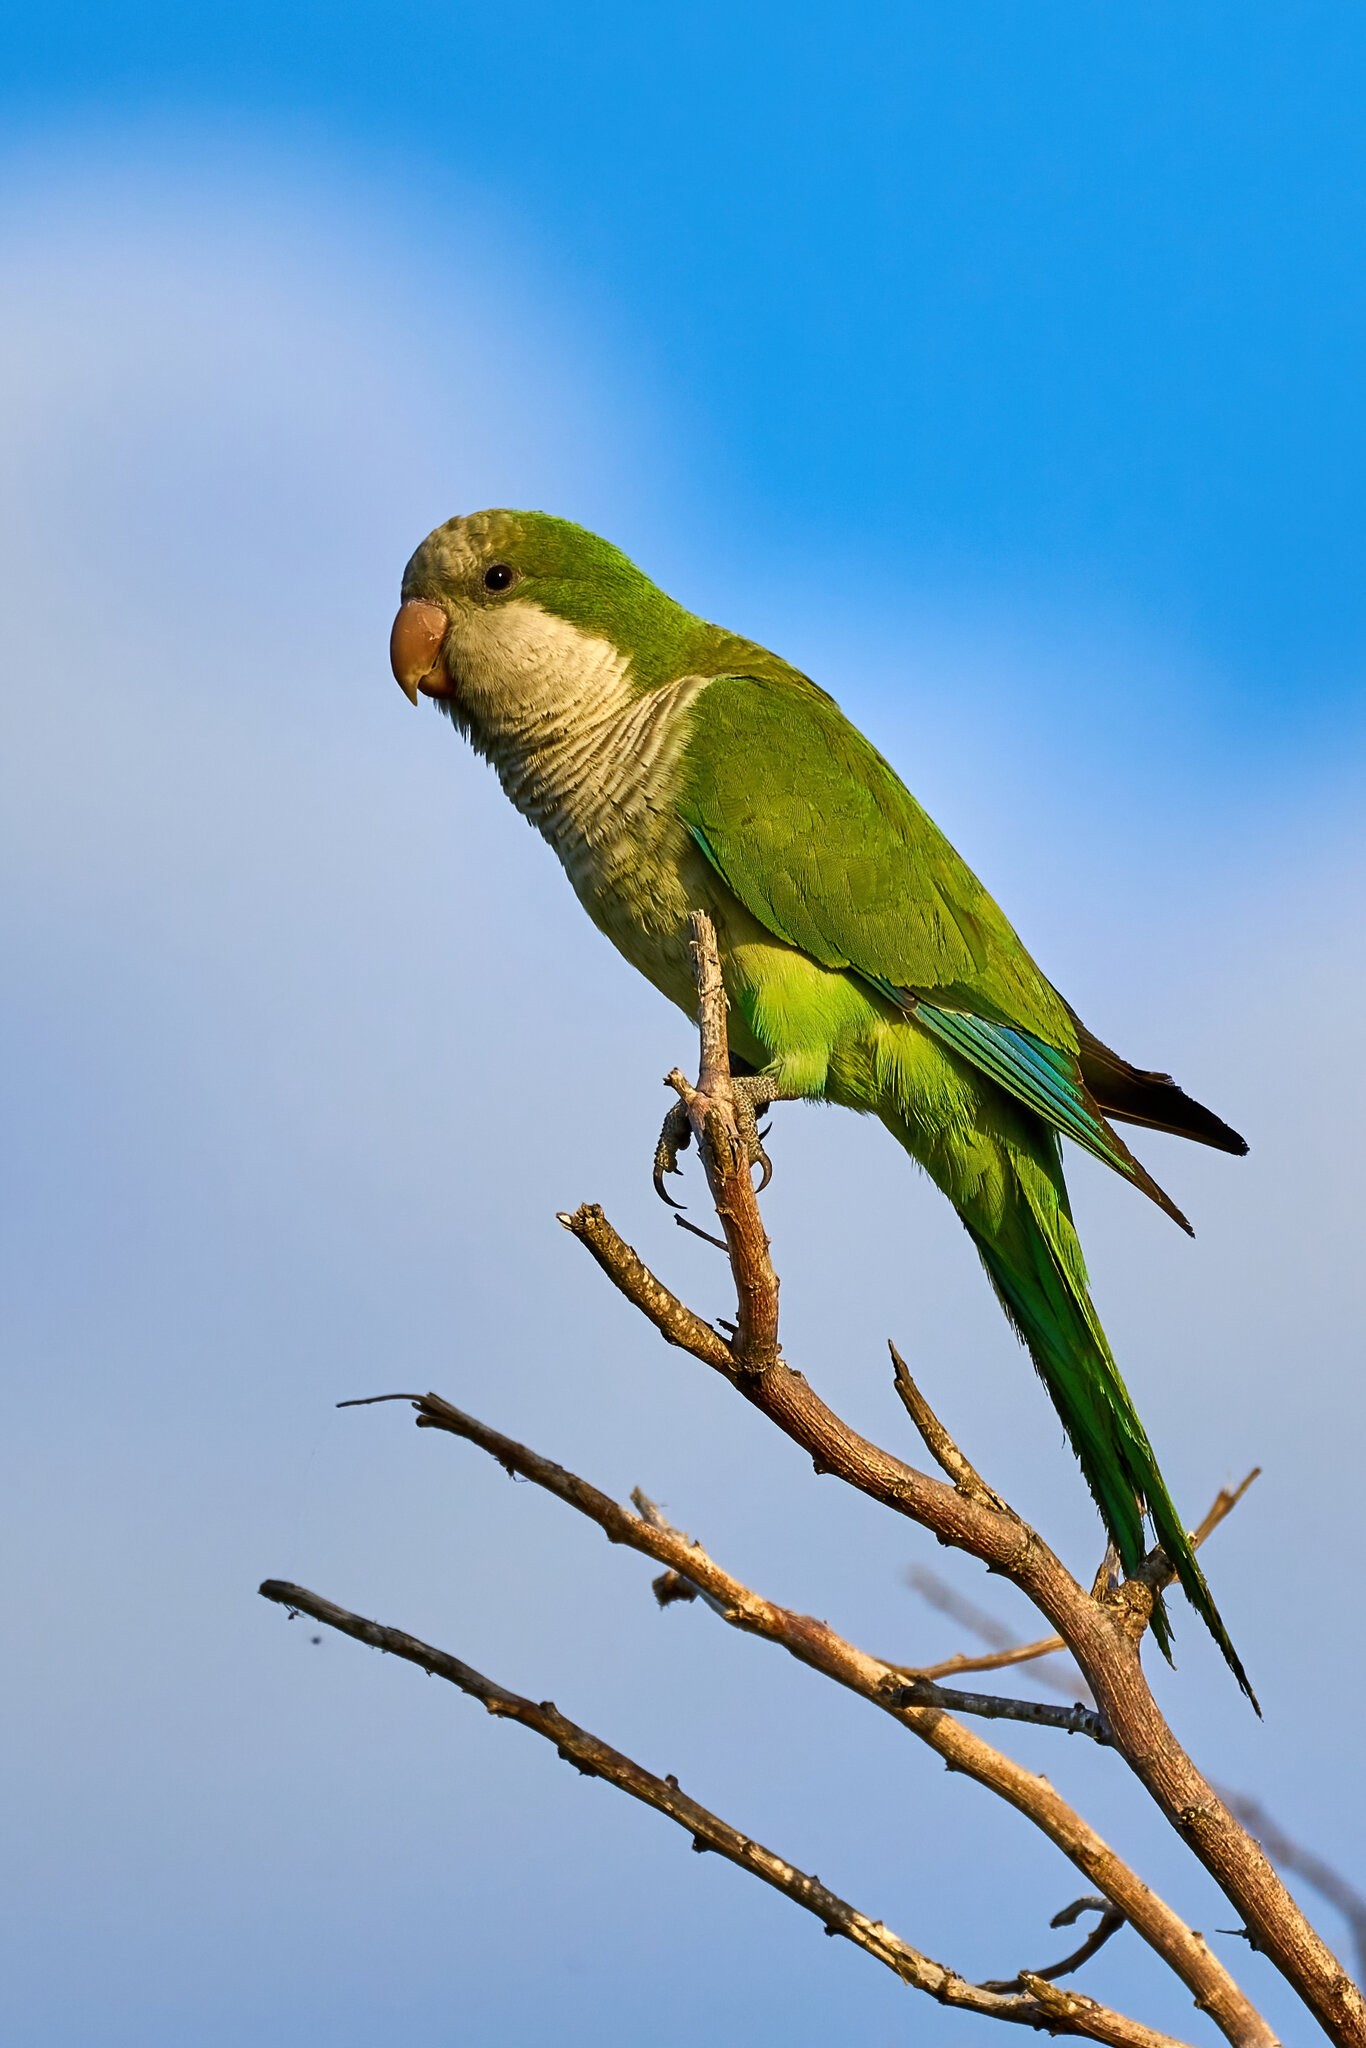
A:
(415, 644)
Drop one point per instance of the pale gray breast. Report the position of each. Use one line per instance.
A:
(599, 779)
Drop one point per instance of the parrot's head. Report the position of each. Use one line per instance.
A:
(509, 616)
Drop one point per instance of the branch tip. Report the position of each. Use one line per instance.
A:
(966, 1514)
(1034, 2005)
(937, 1441)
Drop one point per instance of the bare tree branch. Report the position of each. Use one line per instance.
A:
(1105, 1651)
(1102, 1633)
(1157, 1569)
(725, 1158)
(1002, 1660)
(1038, 2003)
(1220, 1508)
(936, 1439)
(1006, 1651)
(1282, 1848)
(1102, 1628)
(1109, 1923)
(1291, 1855)
(816, 1644)
(676, 1323)
(1074, 1720)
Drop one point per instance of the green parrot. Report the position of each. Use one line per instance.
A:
(673, 767)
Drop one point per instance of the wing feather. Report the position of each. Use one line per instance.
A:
(823, 843)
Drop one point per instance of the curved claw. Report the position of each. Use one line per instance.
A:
(675, 1137)
(747, 1114)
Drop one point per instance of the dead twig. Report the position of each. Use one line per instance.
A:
(691, 1573)
(1002, 1660)
(1073, 1720)
(1038, 2003)
(1105, 1652)
(936, 1439)
(1102, 1628)
(1220, 1508)
(1110, 1922)
(707, 1236)
(1283, 1849)
(711, 1113)
(1102, 1633)
(1004, 1648)
(1006, 1651)
(1157, 1569)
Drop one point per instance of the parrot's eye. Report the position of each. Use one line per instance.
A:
(499, 577)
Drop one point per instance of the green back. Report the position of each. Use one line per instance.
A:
(826, 846)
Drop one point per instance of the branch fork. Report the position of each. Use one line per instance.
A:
(1100, 1627)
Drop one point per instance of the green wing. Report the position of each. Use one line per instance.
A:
(823, 843)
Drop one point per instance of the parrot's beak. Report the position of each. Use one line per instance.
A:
(415, 645)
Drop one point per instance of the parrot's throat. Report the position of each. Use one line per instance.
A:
(583, 753)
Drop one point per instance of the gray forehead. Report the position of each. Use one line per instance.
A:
(451, 552)
(448, 551)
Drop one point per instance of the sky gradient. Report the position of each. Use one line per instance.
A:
(1001, 371)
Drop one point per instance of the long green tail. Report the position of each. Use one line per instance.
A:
(1035, 1264)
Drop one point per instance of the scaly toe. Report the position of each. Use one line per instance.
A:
(675, 1137)
(747, 1113)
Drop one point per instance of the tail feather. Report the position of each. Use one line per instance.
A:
(1036, 1268)
(1133, 1095)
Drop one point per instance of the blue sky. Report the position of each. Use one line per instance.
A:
(1002, 367)
(1045, 292)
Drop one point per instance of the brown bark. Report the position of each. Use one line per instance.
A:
(1101, 1627)
(1103, 1633)
(1040, 2003)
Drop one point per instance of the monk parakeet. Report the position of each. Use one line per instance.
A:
(674, 766)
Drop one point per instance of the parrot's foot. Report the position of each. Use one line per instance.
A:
(752, 1097)
(675, 1137)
